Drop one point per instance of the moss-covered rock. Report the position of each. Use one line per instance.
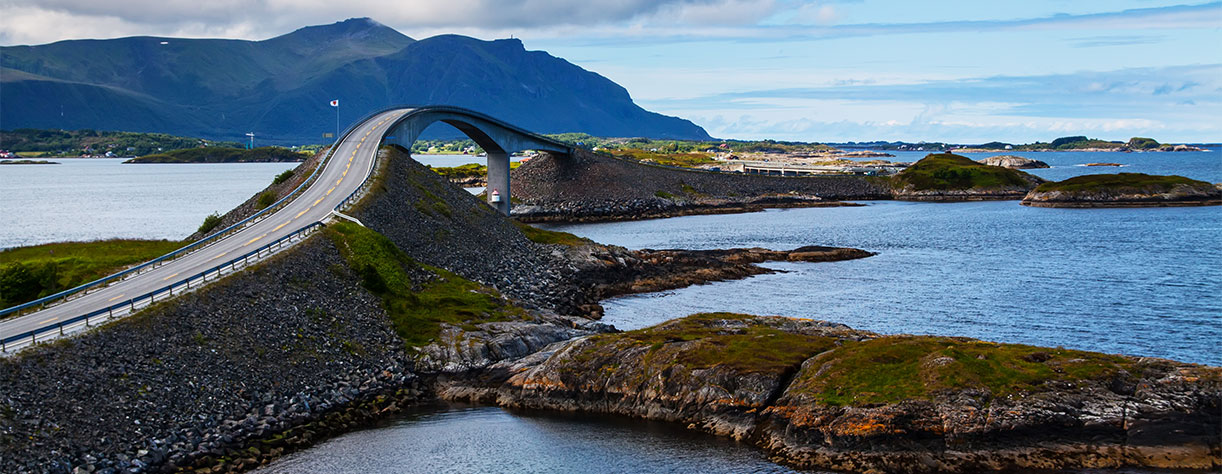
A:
(950, 177)
(1124, 190)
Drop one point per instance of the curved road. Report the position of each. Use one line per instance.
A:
(344, 173)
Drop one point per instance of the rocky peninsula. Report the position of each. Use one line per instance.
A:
(1124, 190)
(437, 295)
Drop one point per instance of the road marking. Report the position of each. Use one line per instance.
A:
(222, 254)
(115, 298)
(329, 190)
(169, 277)
(339, 181)
(253, 240)
(281, 225)
(300, 213)
(316, 202)
(345, 172)
(49, 320)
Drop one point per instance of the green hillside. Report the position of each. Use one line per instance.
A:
(223, 155)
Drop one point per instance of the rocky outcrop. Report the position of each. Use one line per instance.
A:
(951, 177)
(819, 395)
(1013, 162)
(589, 187)
(1125, 190)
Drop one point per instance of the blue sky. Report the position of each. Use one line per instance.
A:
(959, 71)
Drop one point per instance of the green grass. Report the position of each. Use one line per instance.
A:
(542, 236)
(949, 171)
(418, 297)
(469, 170)
(223, 155)
(282, 177)
(683, 160)
(757, 348)
(266, 198)
(210, 222)
(895, 368)
(1120, 182)
(29, 273)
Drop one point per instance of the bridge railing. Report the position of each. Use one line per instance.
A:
(43, 302)
(16, 341)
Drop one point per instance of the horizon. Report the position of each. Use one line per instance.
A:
(805, 71)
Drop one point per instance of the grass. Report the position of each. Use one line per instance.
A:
(542, 236)
(418, 298)
(895, 368)
(1120, 182)
(210, 222)
(469, 170)
(683, 160)
(282, 177)
(266, 198)
(29, 273)
(950, 171)
(757, 348)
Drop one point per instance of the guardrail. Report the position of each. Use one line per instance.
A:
(41, 303)
(132, 304)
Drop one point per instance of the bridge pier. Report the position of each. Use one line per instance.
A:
(498, 181)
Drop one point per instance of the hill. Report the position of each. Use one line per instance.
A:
(280, 87)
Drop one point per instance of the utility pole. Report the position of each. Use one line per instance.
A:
(335, 103)
(252, 140)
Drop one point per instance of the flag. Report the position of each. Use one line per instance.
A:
(335, 103)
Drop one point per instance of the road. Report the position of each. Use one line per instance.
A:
(344, 173)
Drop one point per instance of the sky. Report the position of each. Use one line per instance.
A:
(961, 71)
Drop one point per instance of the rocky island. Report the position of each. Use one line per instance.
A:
(1124, 190)
(950, 177)
(1013, 162)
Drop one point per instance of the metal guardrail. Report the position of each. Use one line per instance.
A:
(132, 304)
(252, 219)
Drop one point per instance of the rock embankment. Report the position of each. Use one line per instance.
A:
(1013, 162)
(591, 187)
(820, 395)
(1125, 190)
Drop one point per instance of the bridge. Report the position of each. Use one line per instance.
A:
(338, 182)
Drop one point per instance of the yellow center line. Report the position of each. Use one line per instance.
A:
(49, 320)
(117, 297)
(254, 239)
(169, 277)
(329, 190)
(318, 201)
(339, 181)
(222, 254)
(300, 213)
(281, 225)
(345, 172)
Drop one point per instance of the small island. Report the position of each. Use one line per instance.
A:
(950, 177)
(28, 162)
(1104, 164)
(1124, 190)
(1013, 162)
(265, 154)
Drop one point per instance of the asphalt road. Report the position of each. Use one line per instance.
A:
(344, 173)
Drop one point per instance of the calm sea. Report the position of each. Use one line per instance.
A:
(1134, 281)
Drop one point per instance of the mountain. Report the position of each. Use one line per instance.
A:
(280, 88)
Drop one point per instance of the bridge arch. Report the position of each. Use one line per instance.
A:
(499, 139)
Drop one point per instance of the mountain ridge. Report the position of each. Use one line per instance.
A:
(280, 87)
